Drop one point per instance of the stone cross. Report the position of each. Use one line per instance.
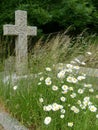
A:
(21, 31)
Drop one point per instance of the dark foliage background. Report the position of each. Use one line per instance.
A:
(53, 15)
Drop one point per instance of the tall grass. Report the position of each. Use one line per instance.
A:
(57, 98)
(62, 48)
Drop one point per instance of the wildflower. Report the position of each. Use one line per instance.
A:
(47, 120)
(83, 74)
(69, 70)
(80, 78)
(62, 116)
(87, 85)
(60, 106)
(73, 95)
(41, 100)
(96, 96)
(77, 60)
(47, 108)
(48, 69)
(91, 90)
(89, 53)
(76, 67)
(89, 103)
(72, 62)
(39, 83)
(48, 81)
(71, 79)
(92, 108)
(65, 87)
(86, 98)
(59, 66)
(71, 88)
(83, 63)
(40, 73)
(69, 105)
(79, 102)
(72, 108)
(69, 66)
(42, 78)
(82, 106)
(54, 88)
(63, 111)
(15, 87)
(70, 124)
(74, 80)
(80, 91)
(97, 116)
(75, 109)
(63, 99)
(61, 74)
(56, 107)
(64, 92)
(85, 103)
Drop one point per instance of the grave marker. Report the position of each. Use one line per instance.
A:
(21, 31)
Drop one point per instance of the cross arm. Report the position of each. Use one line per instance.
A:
(31, 31)
(10, 29)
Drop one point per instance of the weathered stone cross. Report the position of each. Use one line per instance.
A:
(21, 31)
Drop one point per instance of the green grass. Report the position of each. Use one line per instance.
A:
(29, 99)
(24, 103)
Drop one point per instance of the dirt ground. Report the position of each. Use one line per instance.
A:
(1, 127)
(2, 107)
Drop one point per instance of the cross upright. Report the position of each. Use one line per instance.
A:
(21, 31)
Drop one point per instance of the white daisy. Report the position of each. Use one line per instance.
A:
(54, 88)
(56, 107)
(76, 67)
(71, 88)
(96, 96)
(71, 79)
(92, 108)
(62, 116)
(89, 53)
(70, 124)
(83, 63)
(15, 87)
(42, 78)
(48, 81)
(63, 99)
(41, 100)
(39, 83)
(63, 111)
(61, 74)
(91, 90)
(97, 116)
(80, 78)
(47, 120)
(69, 66)
(73, 95)
(65, 87)
(80, 91)
(47, 108)
(48, 69)
(86, 98)
(87, 85)
(77, 60)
